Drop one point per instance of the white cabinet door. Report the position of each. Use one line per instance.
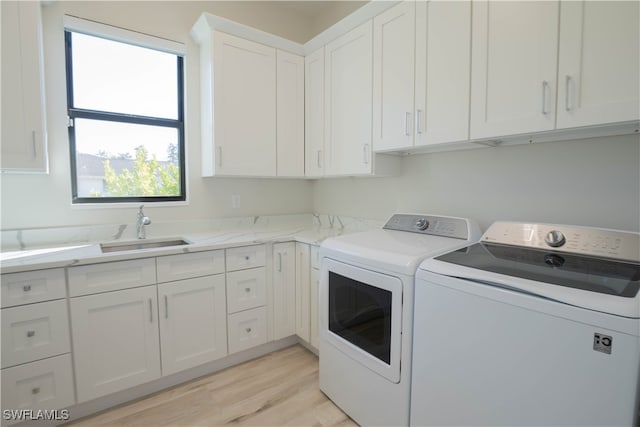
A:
(314, 333)
(393, 77)
(247, 329)
(314, 113)
(193, 322)
(443, 68)
(303, 288)
(290, 114)
(348, 103)
(514, 57)
(599, 62)
(244, 107)
(284, 290)
(116, 344)
(24, 130)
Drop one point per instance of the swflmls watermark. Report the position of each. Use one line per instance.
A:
(35, 414)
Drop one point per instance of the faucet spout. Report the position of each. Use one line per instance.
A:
(141, 221)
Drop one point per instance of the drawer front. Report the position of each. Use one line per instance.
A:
(315, 257)
(246, 289)
(246, 257)
(187, 266)
(32, 286)
(45, 384)
(111, 276)
(34, 331)
(247, 329)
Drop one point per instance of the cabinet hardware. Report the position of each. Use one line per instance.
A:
(247, 290)
(246, 258)
(545, 85)
(35, 390)
(406, 123)
(318, 161)
(279, 261)
(365, 150)
(248, 330)
(31, 334)
(567, 82)
(33, 143)
(150, 311)
(26, 288)
(166, 307)
(419, 121)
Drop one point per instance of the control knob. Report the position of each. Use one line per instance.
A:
(555, 239)
(422, 224)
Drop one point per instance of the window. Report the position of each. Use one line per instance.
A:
(126, 117)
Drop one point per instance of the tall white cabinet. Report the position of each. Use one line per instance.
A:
(599, 63)
(290, 115)
(514, 57)
(24, 127)
(347, 103)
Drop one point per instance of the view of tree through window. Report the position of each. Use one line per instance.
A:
(126, 127)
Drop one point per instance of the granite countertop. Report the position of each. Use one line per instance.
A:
(228, 234)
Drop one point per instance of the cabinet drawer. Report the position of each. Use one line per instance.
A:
(315, 257)
(247, 329)
(111, 276)
(32, 286)
(187, 266)
(45, 384)
(246, 257)
(34, 332)
(246, 289)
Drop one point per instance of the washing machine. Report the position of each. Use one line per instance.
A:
(366, 312)
(536, 324)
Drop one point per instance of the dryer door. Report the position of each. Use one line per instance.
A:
(361, 315)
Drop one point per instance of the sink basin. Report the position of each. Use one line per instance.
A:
(142, 244)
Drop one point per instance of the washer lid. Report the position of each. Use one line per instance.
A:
(594, 283)
(388, 250)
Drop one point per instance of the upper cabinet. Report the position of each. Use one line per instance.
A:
(314, 113)
(421, 60)
(598, 70)
(514, 54)
(24, 130)
(290, 115)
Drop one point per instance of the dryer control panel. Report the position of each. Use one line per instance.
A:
(620, 245)
(444, 226)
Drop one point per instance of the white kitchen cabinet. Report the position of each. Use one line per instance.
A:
(193, 322)
(32, 286)
(314, 321)
(116, 341)
(599, 63)
(303, 289)
(42, 385)
(244, 257)
(246, 289)
(111, 276)
(247, 329)
(238, 106)
(35, 331)
(24, 128)
(290, 114)
(348, 106)
(185, 266)
(284, 290)
(393, 77)
(442, 70)
(314, 114)
(514, 59)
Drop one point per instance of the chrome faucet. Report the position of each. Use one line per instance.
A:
(141, 221)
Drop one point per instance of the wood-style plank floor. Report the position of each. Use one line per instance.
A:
(278, 389)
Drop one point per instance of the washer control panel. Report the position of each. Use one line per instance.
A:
(598, 242)
(428, 224)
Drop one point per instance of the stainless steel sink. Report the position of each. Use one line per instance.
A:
(142, 244)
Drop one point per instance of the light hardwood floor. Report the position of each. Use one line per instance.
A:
(280, 388)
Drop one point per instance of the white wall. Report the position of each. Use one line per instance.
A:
(31, 201)
(593, 182)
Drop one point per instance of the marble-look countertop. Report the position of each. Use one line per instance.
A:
(37, 249)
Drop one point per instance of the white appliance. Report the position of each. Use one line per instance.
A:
(366, 312)
(535, 325)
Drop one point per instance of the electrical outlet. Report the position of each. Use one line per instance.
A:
(235, 201)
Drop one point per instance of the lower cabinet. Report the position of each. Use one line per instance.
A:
(193, 322)
(247, 329)
(115, 341)
(284, 290)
